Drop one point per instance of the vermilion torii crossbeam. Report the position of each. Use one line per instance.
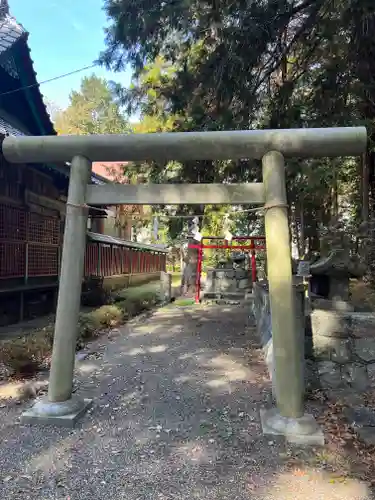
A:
(230, 247)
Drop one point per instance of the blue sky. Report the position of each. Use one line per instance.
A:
(64, 36)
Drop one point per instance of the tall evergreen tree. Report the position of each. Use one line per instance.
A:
(236, 65)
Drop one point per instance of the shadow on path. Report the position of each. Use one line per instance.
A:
(176, 416)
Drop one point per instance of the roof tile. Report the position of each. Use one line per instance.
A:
(8, 129)
(10, 32)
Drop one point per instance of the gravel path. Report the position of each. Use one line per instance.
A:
(176, 416)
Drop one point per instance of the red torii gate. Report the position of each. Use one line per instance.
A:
(252, 247)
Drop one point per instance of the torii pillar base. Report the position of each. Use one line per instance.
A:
(303, 431)
(60, 414)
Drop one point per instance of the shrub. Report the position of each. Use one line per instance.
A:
(94, 293)
(26, 355)
(106, 316)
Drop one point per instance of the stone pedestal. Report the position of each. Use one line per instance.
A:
(343, 349)
(302, 431)
(60, 414)
(227, 281)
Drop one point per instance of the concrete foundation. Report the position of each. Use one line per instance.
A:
(61, 414)
(303, 431)
(128, 280)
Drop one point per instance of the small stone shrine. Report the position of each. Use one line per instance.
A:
(342, 349)
(231, 278)
(339, 343)
(332, 270)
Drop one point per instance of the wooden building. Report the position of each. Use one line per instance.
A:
(33, 197)
(124, 222)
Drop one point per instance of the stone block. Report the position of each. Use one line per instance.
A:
(225, 273)
(303, 431)
(340, 351)
(268, 354)
(241, 274)
(332, 305)
(264, 328)
(360, 417)
(371, 374)
(362, 324)
(211, 295)
(309, 347)
(330, 324)
(242, 284)
(356, 376)
(332, 349)
(367, 434)
(339, 288)
(165, 287)
(236, 295)
(226, 284)
(365, 349)
(329, 374)
(210, 281)
(269, 359)
(321, 349)
(311, 376)
(347, 396)
(261, 302)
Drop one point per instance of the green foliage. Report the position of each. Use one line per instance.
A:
(238, 65)
(27, 354)
(92, 110)
(23, 356)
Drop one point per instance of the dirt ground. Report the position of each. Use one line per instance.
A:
(176, 416)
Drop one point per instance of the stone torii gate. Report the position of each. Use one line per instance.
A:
(60, 407)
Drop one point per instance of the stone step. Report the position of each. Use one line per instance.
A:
(231, 302)
(244, 296)
(331, 305)
(225, 295)
(234, 295)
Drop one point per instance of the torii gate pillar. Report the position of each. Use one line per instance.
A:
(288, 419)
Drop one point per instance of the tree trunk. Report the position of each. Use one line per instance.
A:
(311, 233)
(301, 236)
(334, 197)
(181, 257)
(189, 273)
(370, 257)
(365, 186)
